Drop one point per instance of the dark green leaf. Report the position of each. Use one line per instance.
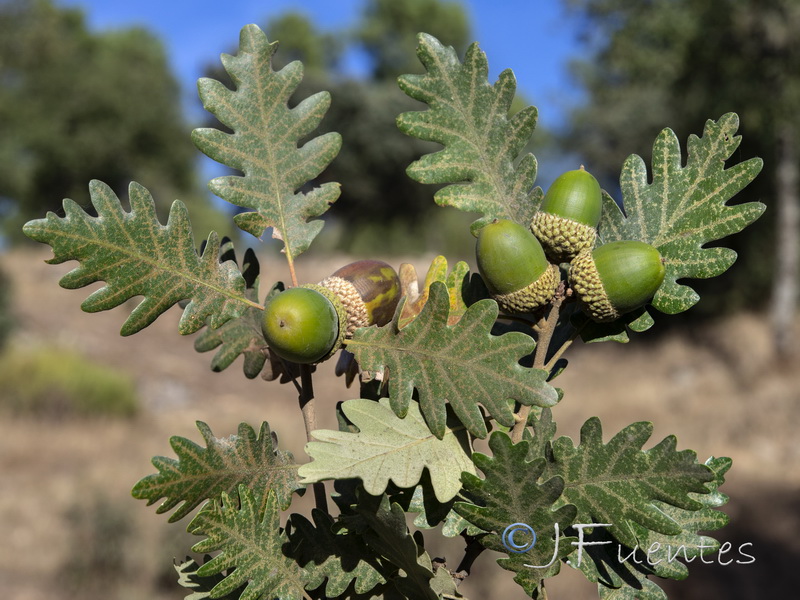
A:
(138, 256)
(684, 207)
(431, 512)
(469, 117)
(387, 448)
(618, 574)
(241, 336)
(616, 331)
(544, 430)
(250, 548)
(463, 365)
(511, 495)
(386, 533)
(265, 144)
(618, 482)
(223, 466)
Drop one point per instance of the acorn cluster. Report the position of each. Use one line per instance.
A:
(519, 264)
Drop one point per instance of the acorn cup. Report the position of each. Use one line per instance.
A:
(616, 278)
(513, 265)
(309, 323)
(567, 219)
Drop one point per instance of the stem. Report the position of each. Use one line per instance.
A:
(560, 352)
(548, 327)
(290, 260)
(310, 422)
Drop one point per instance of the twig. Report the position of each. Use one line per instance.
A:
(288, 370)
(548, 327)
(310, 422)
(560, 352)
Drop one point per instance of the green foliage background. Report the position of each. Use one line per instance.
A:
(78, 105)
(59, 383)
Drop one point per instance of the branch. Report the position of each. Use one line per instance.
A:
(548, 327)
(306, 399)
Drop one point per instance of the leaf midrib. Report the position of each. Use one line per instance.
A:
(474, 137)
(156, 266)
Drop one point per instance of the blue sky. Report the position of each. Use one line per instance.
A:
(535, 38)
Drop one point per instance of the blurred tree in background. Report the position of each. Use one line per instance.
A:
(388, 32)
(77, 105)
(677, 63)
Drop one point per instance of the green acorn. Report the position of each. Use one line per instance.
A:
(513, 266)
(301, 324)
(567, 219)
(616, 278)
(309, 323)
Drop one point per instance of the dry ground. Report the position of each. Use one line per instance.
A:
(717, 390)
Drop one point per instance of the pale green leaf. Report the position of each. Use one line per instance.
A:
(510, 494)
(250, 548)
(619, 482)
(388, 448)
(685, 207)
(265, 146)
(224, 465)
(463, 365)
(482, 144)
(135, 255)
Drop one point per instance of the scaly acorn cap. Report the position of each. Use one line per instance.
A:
(616, 278)
(369, 290)
(567, 219)
(534, 296)
(513, 266)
